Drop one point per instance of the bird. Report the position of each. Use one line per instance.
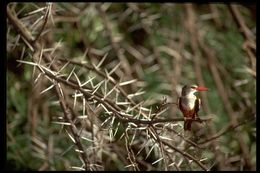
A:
(189, 104)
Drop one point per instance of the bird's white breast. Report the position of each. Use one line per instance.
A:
(188, 103)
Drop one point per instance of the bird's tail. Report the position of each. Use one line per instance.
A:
(187, 124)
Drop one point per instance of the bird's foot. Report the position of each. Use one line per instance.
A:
(198, 119)
(187, 118)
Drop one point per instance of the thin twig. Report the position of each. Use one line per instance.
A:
(224, 130)
(46, 16)
(114, 43)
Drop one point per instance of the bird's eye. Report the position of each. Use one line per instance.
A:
(193, 87)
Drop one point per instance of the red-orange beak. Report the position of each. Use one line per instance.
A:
(201, 88)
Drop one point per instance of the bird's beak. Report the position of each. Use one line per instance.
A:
(201, 88)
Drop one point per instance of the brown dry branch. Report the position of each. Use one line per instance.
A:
(46, 16)
(33, 109)
(131, 156)
(249, 45)
(240, 22)
(215, 14)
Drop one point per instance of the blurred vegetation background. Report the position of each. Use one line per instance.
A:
(161, 46)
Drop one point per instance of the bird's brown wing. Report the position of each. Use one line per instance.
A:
(179, 102)
(187, 123)
(197, 106)
(184, 112)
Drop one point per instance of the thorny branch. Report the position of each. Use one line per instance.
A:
(62, 99)
(47, 13)
(99, 72)
(28, 38)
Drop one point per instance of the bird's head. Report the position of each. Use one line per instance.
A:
(191, 89)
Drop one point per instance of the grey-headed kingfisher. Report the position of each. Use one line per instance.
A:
(189, 104)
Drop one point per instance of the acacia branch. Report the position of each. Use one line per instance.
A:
(63, 103)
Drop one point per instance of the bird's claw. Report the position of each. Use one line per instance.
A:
(198, 119)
